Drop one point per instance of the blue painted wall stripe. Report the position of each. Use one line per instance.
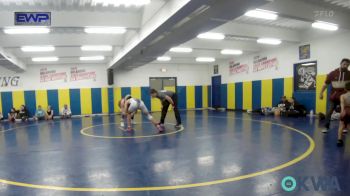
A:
(181, 97)
(239, 95)
(52, 98)
(256, 85)
(277, 90)
(223, 95)
(6, 99)
(74, 95)
(30, 103)
(110, 100)
(126, 91)
(146, 97)
(96, 98)
(199, 97)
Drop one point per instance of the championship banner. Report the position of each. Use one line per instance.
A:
(81, 74)
(52, 75)
(237, 68)
(263, 63)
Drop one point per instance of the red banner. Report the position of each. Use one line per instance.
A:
(82, 74)
(237, 68)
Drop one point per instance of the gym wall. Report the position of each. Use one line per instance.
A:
(264, 88)
(88, 92)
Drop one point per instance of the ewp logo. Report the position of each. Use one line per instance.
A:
(33, 18)
(309, 183)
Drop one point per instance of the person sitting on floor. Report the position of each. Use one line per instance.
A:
(22, 114)
(66, 112)
(12, 115)
(296, 109)
(39, 114)
(282, 106)
(49, 113)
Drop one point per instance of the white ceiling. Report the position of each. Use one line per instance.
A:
(69, 17)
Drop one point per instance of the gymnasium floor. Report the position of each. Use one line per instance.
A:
(217, 153)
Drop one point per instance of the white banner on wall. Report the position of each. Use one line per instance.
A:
(49, 75)
(82, 74)
(238, 68)
(264, 63)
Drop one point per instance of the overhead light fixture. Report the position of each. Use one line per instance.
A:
(38, 48)
(163, 70)
(117, 3)
(307, 64)
(181, 50)
(105, 30)
(164, 58)
(26, 30)
(205, 59)
(269, 41)
(92, 58)
(263, 14)
(325, 26)
(231, 52)
(96, 48)
(213, 36)
(44, 59)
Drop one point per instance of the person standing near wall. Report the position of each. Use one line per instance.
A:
(337, 79)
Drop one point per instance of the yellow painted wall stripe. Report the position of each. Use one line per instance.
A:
(63, 98)
(41, 98)
(18, 99)
(190, 97)
(117, 98)
(288, 87)
(104, 98)
(321, 105)
(205, 96)
(247, 95)
(266, 93)
(231, 96)
(136, 92)
(85, 101)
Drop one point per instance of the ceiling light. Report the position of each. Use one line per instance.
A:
(117, 3)
(205, 59)
(325, 26)
(96, 48)
(37, 48)
(269, 41)
(181, 50)
(163, 70)
(164, 58)
(263, 14)
(231, 52)
(26, 30)
(44, 59)
(214, 36)
(307, 64)
(105, 30)
(92, 58)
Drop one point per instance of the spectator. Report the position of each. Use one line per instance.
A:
(66, 113)
(49, 113)
(23, 114)
(39, 114)
(12, 115)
